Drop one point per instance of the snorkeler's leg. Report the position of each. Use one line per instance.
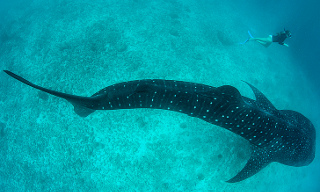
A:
(263, 41)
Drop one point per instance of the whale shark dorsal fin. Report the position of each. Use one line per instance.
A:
(259, 159)
(227, 90)
(262, 101)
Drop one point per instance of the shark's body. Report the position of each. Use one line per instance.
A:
(275, 135)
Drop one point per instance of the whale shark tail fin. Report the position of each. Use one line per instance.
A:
(81, 104)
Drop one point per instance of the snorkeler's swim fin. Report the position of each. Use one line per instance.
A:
(248, 38)
(250, 35)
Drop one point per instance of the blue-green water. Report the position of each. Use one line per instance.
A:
(80, 47)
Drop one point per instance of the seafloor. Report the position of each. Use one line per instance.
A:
(80, 47)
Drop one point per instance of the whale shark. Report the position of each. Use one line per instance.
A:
(282, 136)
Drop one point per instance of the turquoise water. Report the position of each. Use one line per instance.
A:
(80, 47)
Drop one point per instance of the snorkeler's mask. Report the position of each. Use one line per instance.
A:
(288, 33)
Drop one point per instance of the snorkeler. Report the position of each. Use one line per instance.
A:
(279, 38)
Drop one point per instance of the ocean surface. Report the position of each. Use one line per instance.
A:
(82, 46)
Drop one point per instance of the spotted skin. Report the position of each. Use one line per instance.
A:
(275, 135)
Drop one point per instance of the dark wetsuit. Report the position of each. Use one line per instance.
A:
(279, 37)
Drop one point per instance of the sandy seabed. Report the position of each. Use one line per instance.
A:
(80, 47)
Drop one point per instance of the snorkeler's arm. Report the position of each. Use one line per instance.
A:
(284, 44)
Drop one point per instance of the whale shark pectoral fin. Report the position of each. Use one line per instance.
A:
(259, 159)
(262, 101)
